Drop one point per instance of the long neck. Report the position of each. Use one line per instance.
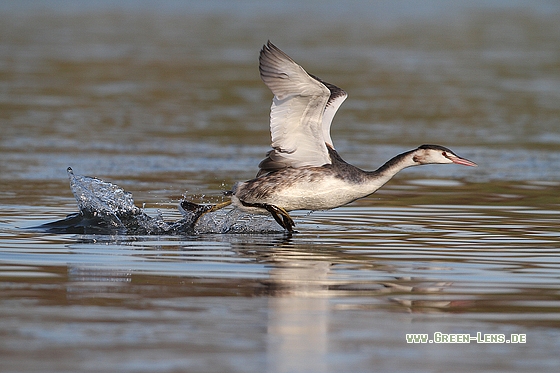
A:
(367, 182)
(376, 179)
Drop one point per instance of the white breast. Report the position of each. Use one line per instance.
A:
(323, 194)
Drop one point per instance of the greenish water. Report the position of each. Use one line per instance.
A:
(166, 102)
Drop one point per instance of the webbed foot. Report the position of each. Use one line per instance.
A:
(281, 216)
(199, 210)
(278, 213)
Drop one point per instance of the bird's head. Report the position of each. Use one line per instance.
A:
(436, 154)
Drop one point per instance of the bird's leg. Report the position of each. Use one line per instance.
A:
(200, 210)
(286, 222)
(278, 213)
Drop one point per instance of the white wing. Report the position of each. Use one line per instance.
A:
(301, 112)
(336, 99)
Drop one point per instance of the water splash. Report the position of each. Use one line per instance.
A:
(106, 208)
(98, 198)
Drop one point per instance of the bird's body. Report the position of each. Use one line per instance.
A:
(307, 188)
(303, 171)
(312, 188)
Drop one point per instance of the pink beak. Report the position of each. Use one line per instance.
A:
(463, 161)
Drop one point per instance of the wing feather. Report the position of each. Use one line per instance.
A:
(301, 113)
(337, 97)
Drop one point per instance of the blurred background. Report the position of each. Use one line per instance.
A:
(170, 90)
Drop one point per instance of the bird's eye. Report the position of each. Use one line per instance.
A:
(444, 154)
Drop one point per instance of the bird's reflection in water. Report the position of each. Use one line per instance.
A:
(304, 293)
(305, 286)
(298, 316)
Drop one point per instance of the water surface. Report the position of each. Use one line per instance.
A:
(166, 102)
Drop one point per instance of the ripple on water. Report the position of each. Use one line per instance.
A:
(478, 259)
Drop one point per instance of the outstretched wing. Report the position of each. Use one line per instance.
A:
(336, 98)
(302, 110)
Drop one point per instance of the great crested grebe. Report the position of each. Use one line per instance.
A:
(303, 171)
